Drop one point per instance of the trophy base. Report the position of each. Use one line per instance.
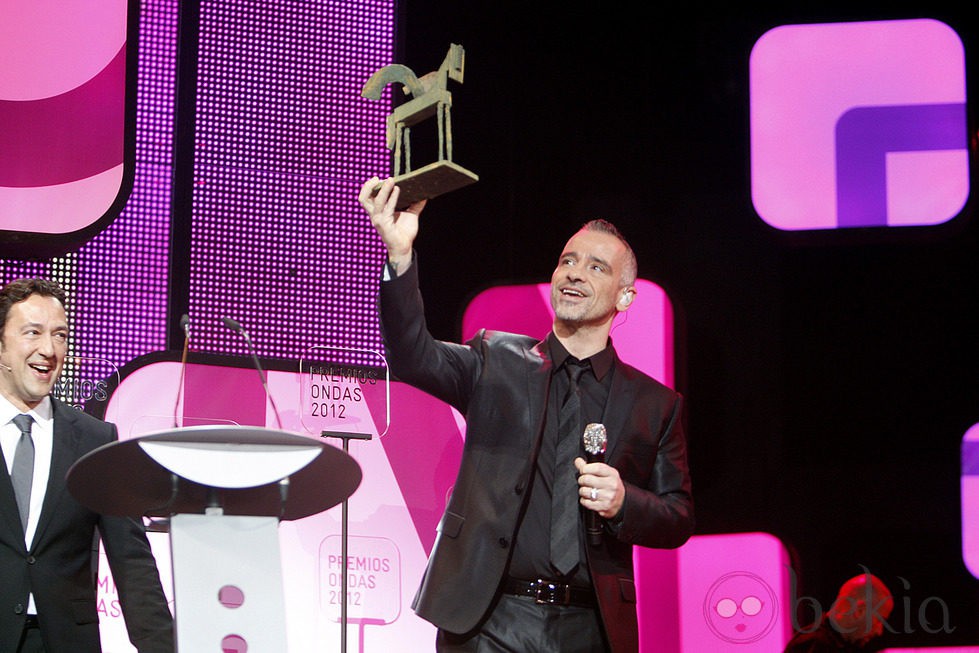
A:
(431, 181)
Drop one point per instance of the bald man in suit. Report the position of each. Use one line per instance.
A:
(494, 581)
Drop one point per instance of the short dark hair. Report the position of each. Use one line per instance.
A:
(20, 289)
(631, 270)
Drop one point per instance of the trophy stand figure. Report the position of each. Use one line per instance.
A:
(430, 96)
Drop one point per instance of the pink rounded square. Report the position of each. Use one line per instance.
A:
(803, 78)
(643, 334)
(62, 113)
(970, 500)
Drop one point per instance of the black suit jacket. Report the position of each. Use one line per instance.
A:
(500, 383)
(61, 565)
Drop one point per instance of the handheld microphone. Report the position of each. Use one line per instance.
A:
(595, 438)
(185, 326)
(234, 325)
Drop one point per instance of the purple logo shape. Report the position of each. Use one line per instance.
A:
(864, 137)
(970, 458)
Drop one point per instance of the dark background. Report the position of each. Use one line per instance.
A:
(830, 376)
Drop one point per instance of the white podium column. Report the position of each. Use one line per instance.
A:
(227, 578)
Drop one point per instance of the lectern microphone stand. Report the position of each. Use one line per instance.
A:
(344, 536)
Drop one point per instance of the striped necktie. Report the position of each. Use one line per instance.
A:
(565, 515)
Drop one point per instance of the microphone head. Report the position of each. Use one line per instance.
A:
(595, 439)
(184, 321)
(231, 324)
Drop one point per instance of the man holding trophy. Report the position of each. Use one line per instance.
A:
(534, 551)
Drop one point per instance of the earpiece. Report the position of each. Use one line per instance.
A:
(626, 298)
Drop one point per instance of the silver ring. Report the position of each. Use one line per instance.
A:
(594, 494)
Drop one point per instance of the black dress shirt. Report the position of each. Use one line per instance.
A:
(531, 555)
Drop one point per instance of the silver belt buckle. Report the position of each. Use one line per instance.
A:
(546, 592)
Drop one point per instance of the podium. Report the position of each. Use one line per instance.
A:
(224, 489)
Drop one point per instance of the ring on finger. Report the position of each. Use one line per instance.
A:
(594, 493)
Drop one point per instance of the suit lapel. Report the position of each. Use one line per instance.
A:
(621, 397)
(8, 504)
(538, 383)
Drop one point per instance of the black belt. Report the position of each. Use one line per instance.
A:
(31, 621)
(545, 591)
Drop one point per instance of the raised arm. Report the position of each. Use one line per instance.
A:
(397, 229)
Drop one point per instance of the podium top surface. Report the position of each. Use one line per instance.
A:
(236, 468)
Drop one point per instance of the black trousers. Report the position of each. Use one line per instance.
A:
(518, 624)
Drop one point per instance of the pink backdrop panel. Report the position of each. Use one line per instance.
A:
(734, 594)
(62, 113)
(970, 499)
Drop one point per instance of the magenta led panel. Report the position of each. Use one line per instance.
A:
(284, 142)
(858, 125)
(62, 113)
(117, 281)
(120, 277)
(970, 500)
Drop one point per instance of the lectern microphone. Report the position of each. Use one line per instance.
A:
(594, 439)
(185, 326)
(234, 325)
